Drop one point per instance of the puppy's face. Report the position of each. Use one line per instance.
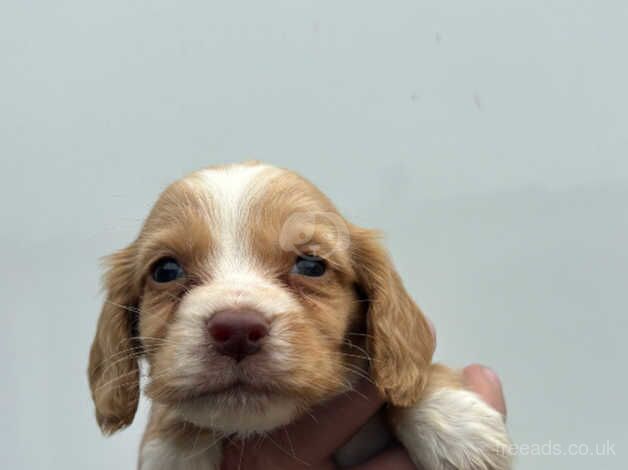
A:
(251, 300)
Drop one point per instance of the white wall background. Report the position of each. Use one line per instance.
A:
(487, 138)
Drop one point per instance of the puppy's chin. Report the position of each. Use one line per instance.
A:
(242, 413)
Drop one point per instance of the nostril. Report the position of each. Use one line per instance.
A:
(257, 333)
(220, 332)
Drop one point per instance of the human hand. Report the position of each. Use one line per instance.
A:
(311, 441)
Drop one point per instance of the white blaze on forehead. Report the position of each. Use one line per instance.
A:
(233, 190)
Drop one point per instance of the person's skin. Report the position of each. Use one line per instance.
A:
(310, 442)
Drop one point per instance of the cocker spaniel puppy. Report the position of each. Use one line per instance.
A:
(251, 299)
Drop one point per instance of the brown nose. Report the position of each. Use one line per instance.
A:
(237, 333)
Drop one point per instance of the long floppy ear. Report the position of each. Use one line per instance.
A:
(113, 368)
(400, 341)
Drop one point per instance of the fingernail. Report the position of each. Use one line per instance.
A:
(491, 375)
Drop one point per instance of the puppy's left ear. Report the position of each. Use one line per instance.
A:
(113, 367)
(400, 341)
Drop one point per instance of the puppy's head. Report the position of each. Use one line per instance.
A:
(251, 300)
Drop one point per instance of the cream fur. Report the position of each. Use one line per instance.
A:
(159, 454)
(453, 429)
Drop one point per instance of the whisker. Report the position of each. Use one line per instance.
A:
(361, 374)
(129, 308)
(205, 449)
(301, 461)
(118, 359)
(366, 335)
(359, 348)
(117, 378)
(294, 454)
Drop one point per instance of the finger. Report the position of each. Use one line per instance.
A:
(485, 383)
(317, 435)
(392, 459)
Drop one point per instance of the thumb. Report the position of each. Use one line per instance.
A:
(486, 384)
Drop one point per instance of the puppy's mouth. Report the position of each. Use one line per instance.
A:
(238, 407)
(238, 387)
(236, 391)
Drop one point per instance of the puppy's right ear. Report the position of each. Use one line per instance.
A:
(113, 367)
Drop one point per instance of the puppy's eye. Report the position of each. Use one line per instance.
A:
(167, 270)
(311, 266)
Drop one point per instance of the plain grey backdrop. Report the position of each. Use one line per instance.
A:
(488, 139)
